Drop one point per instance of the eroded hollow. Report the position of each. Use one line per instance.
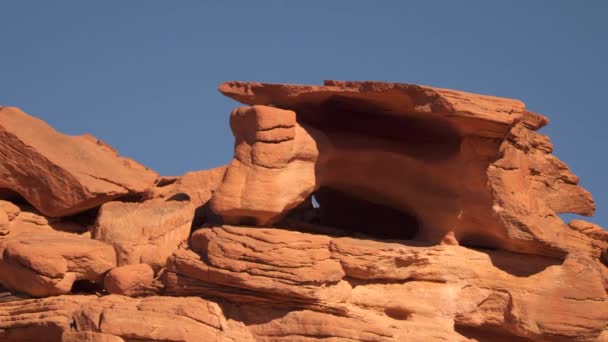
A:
(389, 175)
(356, 215)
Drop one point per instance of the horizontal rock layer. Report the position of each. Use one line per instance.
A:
(424, 214)
(117, 318)
(395, 289)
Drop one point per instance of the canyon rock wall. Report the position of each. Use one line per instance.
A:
(351, 211)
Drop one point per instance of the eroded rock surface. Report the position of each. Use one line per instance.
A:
(398, 291)
(130, 280)
(117, 318)
(59, 174)
(351, 211)
(198, 186)
(47, 264)
(144, 232)
(430, 164)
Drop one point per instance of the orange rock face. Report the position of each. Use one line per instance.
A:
(416, 162)
(49, 264)
(351, 211)
(62, 175)
(117, 318)
(144, 232)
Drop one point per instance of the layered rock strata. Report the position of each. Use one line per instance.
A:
(62, 175)
(351, 211)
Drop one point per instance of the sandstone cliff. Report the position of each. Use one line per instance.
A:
(351, 211)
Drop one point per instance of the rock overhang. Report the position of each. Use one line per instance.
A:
(441, 157)
(451, 168)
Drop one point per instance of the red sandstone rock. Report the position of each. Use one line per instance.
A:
(437, 222)
(116, 318)
(269, 146)
(427, 163)
(48, 264)
(265, 263)
(197, 185)
(62, 175)
(144, 232)
(131, 280)
(403, 291)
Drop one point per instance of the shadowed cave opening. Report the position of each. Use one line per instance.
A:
(356, 215)
(388, 173)
(84, 286)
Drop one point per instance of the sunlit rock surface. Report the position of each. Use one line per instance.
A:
(351, 211)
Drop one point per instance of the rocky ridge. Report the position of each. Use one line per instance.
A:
(351, 211)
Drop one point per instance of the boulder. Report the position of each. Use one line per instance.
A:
(49, 263)
(130, 280)
(62, 175)
(273, 169)
(198, 186)
(253, 264)
(144, 232)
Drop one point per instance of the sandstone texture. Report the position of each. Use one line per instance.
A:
(197, 186)
(63, 175)
(117, 318)
(350, 211)
(49, 264)
(144, 232)
(131, 280)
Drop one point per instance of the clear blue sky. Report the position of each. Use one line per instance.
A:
(142, 75)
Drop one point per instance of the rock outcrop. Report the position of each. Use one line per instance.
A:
(351, 211)
(144, 232)
(397, 287)
(47, 264)
(130, 280)
(117, 318)
(62, 175)
(427, 163)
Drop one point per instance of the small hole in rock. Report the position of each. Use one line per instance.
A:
(86, 287)
(180, 197)
(398, 312)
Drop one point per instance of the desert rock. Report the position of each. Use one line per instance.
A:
(144, 232)
(426, 163)
(130, 280)
(397, 287)
(351, 211)
(197, 185)
(47, 264)
(115, 318)
(62, 175)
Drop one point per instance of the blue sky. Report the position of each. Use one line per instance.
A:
(142, 75)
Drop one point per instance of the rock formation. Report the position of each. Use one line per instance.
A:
(351, 211)
(62, 175)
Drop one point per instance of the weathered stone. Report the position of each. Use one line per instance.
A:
(62, 175)
(48, 264)
(10, 209)
(269, 146)
(429, 164)
(437, 221)
(131, 280)
(112, 318)
(402, 290)
(144, 232)
(197, 185)
(266, 264)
